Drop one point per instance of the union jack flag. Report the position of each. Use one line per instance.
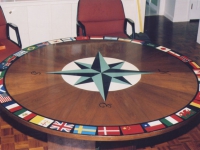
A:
(62, 126)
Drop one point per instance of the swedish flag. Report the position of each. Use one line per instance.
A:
(88, 130)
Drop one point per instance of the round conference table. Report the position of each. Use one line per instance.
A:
(100, 88)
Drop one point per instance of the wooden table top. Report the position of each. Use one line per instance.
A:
(100, 90)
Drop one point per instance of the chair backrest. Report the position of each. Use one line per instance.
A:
(2, 25)
(101, 16)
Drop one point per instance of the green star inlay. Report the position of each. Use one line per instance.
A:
(101, 73)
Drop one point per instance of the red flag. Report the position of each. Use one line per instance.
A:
(10, 59)
(82, 38)
(132, 129)
(1, 81)
(198, 96)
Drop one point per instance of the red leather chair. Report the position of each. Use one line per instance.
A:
(10, 46)
(102, 18)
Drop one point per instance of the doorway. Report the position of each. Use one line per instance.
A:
(152, 7)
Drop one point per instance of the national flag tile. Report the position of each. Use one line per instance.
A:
(131, 129)
(4, 65)
(198, 96)
(197, 71)
(137, 42)
(110, 38)
(162, 48)
(171, 120)
(80, 38)
(7, 103)
(108, 130)
(173, 53)
(2, 73)
(1, 81)
(195, 103)
(194, 65)
(152, 126)
(25, 114)
(150, 44)
(2, 89)
(124, 40)
(20, 53)
(4, 98)
(12, 106)
(198, 77)
(45, 122)
(186, 113)
(88, 130)
(62, 126)
(41, 121)
(68, 39)
(30, 48)
(7, 64)
(10, 58)
(55, 41)
(194, 108)
(42, 44)
(96, 37)
(184, 58)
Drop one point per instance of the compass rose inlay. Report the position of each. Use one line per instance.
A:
(103, 75)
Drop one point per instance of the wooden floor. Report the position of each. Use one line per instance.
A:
(180, 37)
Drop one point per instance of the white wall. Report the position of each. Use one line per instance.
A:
(181, 13)
(169, 9)
(177, 10)
(161, 7)
(133, 12)
(198, 36)
(42, 21)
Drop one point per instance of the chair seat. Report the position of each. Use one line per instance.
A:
(11, 48)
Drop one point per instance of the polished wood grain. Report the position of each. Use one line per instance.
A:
(156, 95)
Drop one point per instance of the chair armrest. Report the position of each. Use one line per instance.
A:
(80, 25)
(131, 22)
(15, 28)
